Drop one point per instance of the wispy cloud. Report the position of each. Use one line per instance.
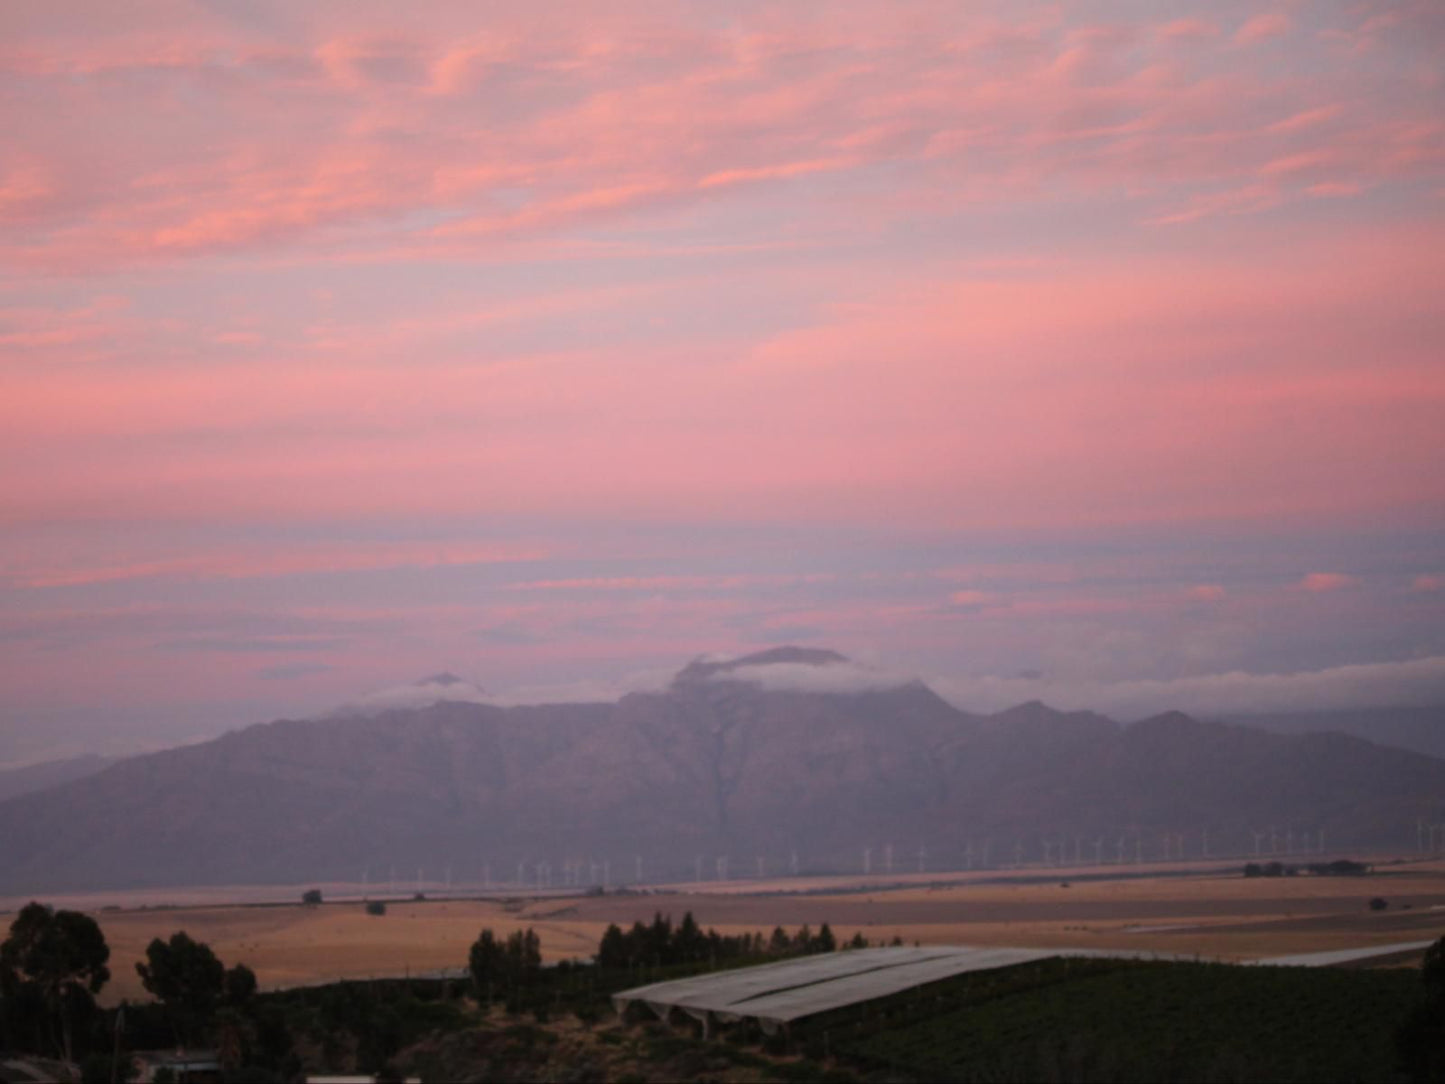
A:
(1416, 681)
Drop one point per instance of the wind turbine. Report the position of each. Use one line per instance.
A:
(867, 861)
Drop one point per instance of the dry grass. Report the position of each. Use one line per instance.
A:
(294, 945)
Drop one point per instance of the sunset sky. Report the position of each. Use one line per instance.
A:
(1090, 351)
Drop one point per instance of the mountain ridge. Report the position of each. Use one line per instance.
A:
(717, 764)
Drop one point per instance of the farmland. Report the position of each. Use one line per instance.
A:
(1213, 914)
(1141, 1021)
(1050, 1019)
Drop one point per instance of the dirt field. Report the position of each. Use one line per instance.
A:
(1209, 914)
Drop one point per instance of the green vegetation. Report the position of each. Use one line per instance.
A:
(1421, 1038)
(662, 945)
(1117, 1020)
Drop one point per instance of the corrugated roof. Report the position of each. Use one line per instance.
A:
(792, 989)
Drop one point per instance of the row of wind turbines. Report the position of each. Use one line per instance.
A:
(1132, 847)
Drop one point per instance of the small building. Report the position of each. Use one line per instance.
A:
(185, 1066)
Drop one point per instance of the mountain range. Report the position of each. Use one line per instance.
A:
(788, 756)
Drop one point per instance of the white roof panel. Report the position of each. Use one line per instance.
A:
(792, 989)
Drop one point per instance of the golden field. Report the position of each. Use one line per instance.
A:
(1206, 913)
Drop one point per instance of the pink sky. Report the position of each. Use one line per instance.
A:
(338, 345)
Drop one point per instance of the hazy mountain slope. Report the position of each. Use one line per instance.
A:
(743, 760)
(278, 801)
(1421, 729)
(50, 773)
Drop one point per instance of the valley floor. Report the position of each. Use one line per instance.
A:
(1211, 912)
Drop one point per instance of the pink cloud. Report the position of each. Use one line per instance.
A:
(1428, 583)
(1110, 428)
(1261, 27)
(1188, 29)
(416, 136)
(1306, 119)
(970, 599)
(1334, 190)
(1206, 592)
(227, 564)
(1321, 582)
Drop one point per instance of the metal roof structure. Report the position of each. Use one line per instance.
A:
(775, 995)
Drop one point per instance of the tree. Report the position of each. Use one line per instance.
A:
(689, 939)
(825, 941)
(187, 978)
(523, 957)
(485, 964)
(311, 897)
(63, 955)
(612, 950)
(1420, 1040)
(1432, 971)
(240, 985)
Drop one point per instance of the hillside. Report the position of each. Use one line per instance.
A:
(49, 773)
(743, 760)
(1421, 729)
